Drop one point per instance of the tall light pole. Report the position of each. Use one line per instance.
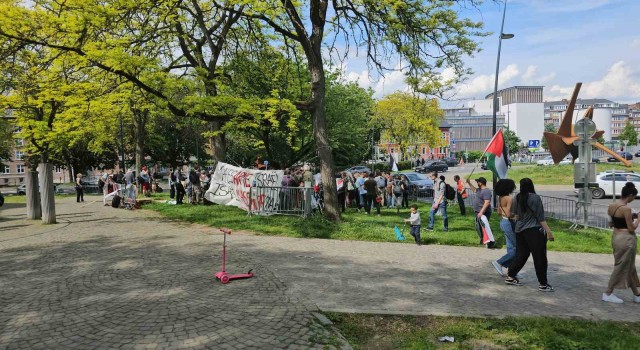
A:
(495, 86)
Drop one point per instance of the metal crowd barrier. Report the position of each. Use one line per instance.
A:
(299, 201)
(564, 209)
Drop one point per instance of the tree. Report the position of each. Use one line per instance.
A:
(169, 49)
(407, 119)
(6, 140)
(547, 128)
(629, 133)
(512, 141)
(425, 35)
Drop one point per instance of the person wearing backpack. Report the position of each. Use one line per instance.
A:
(439, 202)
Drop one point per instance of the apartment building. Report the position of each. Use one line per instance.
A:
(608, 115)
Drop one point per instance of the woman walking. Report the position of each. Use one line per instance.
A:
(504, 188)
(79, 190)
(532, 233)
(624, 244)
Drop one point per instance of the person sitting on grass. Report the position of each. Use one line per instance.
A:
(414, 221)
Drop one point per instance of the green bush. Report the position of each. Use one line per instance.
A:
(385, 167)
(474, 156)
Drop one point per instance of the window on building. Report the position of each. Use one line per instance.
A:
(19, 142)
(19, 155)
(424, 150)
(58, 169)
(20, 169)
(7, 169)
(17, 129)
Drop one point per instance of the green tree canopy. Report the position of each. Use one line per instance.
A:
(630, 134)
(512, 141)
(407, 119)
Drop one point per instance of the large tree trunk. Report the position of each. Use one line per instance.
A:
(139, 120)
(33, 196)
(218, 142)
(47, 192)
(318, 89)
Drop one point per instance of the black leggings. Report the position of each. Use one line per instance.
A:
(79, 194)
(531, 241)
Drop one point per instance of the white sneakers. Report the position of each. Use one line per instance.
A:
(611, 298)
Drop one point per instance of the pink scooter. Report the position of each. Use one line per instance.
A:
(223, 276)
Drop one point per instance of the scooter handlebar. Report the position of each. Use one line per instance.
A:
(225, 231)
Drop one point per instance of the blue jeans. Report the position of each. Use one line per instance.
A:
(391, 201)
(443, 210)
(510, 236)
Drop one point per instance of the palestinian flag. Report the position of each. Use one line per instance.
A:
(497, 155)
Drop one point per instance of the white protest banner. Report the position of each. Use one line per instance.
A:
(230, 185)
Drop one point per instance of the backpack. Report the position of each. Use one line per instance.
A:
(381, 181)
(397, 187)
(449, 192)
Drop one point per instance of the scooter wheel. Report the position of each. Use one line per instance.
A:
(224, 279)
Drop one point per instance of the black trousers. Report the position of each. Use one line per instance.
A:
(342, 196)
(531, 241)
(79, 194)
(369, 201)
(463, 210)
(180, 192)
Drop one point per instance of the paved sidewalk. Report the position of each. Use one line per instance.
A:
(105, 278)
(114, 278)
(396, 278)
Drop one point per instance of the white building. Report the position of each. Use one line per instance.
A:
(523, 109)
(608, 115)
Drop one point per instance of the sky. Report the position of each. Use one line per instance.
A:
(557, 43)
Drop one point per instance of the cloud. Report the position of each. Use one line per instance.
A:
(383, 85)
(635, 44)
(621, 83)
(481, 85)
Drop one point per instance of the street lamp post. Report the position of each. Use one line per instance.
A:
(495, 86)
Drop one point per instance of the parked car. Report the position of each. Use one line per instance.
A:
(419, 182)
(1, 199)
(483, 166)
(637, 154)
(593, 160)
(545, 162)
(623, 154)
(606, 180)
(432, 165)
(359, 169)
(22, 189)
(566, 161)
(451, 161)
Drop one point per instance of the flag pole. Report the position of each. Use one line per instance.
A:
(483, 154)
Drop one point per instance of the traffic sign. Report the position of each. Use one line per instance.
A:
(533, 143)
(266, 162)
(453, 142)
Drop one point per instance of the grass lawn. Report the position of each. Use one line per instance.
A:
(362, 227)
(422, 332)
(555, 174)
